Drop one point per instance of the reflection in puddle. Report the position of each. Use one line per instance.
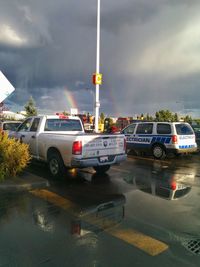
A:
(42, 221)
(78, 221)
(161, 182)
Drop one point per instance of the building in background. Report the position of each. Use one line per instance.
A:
(10, 115)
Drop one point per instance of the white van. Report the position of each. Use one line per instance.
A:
(160, 138)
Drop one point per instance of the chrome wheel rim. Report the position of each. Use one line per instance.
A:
(157, 152)
(54, 167)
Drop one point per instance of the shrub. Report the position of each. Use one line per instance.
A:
(14, 156)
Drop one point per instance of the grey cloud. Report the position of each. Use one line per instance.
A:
(57, 50)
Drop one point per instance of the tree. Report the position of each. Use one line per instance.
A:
(165, 115)
(14, 156)
(188, 119)
(30, 108)
(176, 117)
(148, 117)
(66, 113)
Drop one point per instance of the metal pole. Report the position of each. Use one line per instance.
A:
(97, 103)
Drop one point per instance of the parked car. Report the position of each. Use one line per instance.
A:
(62, 142)
(196, 129)
(160, 138)
(9, 126)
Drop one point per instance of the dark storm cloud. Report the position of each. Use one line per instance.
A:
(45, 46)
(149, 53)
(130, 13)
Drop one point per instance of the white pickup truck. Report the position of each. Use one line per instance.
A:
(61, 142)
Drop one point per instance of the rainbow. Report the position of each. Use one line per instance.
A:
(71, 101)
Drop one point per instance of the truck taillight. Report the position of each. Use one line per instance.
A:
(174, 139)
(77, 148)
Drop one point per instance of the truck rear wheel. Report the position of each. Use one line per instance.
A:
(56, 165)
(102, 169)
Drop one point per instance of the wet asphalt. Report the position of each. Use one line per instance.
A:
(143, 212)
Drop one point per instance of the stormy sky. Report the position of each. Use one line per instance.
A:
(150, 54)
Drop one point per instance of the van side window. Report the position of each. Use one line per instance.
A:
(144, 128)
(163, 128)
(130, 129)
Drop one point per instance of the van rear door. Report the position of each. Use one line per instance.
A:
(185, 136)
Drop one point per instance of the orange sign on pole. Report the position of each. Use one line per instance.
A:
(97, 78)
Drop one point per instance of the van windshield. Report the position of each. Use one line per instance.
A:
(184, 129)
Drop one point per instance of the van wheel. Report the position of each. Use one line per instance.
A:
(56, 165)
(101, 169)
(158, 151)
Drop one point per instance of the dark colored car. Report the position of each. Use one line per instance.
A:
(196, 129)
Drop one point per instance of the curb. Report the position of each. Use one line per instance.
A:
(148, 159)
(25, 182)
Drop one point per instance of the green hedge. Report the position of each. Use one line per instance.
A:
(14, 156)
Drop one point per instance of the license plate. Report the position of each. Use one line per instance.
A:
(103, 159)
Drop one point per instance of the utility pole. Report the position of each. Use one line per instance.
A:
(97, 75)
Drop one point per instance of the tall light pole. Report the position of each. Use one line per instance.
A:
(97, 103)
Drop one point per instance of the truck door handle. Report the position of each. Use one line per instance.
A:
(33, 136)
(21, 137)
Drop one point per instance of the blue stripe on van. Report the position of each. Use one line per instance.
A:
(187, 146)
(168, 139)
(161, 139)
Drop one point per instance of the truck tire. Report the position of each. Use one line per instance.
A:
(158, 151)
(102, 169)
(56, 165)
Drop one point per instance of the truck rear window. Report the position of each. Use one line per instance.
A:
(183, 129)
(57, 125)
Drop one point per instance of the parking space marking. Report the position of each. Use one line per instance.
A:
(54, 199)
(137, 239)
(146, 243)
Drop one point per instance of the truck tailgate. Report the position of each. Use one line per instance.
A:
(104, 145)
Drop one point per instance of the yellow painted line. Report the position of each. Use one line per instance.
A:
(146, 243)
(54, 199)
